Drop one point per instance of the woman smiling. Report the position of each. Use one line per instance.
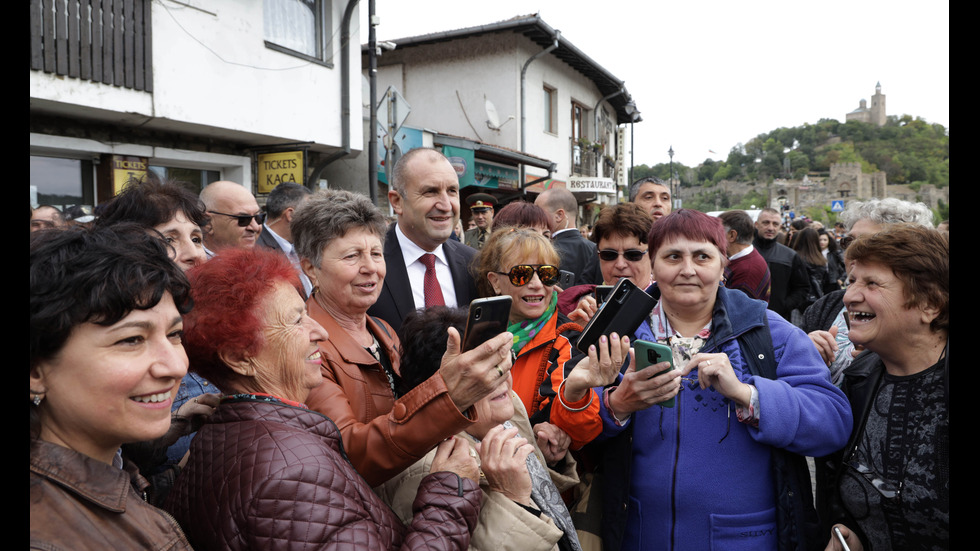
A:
(522, 263)
(339, 237)
(889, 486)
(267, 472)
(106, 354)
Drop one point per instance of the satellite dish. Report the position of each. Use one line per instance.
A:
(493, 119)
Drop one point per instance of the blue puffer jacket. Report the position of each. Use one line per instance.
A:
(692, 476)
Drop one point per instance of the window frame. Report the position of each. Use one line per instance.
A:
(550, 110)
(324, 38)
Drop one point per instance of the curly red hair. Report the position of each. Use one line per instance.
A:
(228, 291)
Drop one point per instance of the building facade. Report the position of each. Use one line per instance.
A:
(466, 89)
(194, 90)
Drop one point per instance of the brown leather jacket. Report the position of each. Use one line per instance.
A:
(265, 475)
(81, 503)
(382, 436)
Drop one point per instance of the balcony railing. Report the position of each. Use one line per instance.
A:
(106, 41)
(583, 157)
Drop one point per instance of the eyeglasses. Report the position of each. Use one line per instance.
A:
(522, 274)
(846, 241)
(244, 219)
(632, 255)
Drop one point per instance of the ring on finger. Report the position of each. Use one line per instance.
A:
(499, 371)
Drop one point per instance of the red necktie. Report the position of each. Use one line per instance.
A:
(430, 284)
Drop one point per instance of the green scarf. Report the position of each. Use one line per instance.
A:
(525, 330)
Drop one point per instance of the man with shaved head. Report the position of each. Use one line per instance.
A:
(236, 219)
(578, 254)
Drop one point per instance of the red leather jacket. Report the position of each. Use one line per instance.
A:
(81, 503)
(266, 475)
(382, 435)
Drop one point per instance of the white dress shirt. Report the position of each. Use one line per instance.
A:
(411, 253)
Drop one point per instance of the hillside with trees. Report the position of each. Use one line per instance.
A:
(909, 151)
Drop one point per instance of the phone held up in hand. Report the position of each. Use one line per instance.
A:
(622, 313)
(488, 317)
(651, 353)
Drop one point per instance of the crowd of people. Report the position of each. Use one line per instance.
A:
(209, 374)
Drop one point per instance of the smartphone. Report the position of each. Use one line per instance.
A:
(602, 293)
(840, 538)
(566, 279)
(651, 353)
(488, 317)
(627, 307)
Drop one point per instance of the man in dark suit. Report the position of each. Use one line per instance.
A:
(578, 255)
(424, 267)
(282, 202)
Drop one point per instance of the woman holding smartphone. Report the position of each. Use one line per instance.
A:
(522, 263)
(751, 396)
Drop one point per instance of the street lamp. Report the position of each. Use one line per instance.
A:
(634, 115)
(670, 152)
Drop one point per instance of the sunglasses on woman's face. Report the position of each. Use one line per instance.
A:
(632, 255)
(522, 274)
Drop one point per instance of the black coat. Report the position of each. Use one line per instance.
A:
(395, 301)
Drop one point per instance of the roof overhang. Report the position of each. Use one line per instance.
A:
(535, 29)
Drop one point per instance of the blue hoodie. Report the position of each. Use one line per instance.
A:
(687, 490)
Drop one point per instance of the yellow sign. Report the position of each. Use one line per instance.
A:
(124, 168)
(276, 168)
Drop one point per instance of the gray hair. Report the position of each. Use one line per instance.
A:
(330, 214)
(283, 196)
(741, 222)
(886, 211)
(635, 186)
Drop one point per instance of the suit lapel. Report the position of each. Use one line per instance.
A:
(396, 278)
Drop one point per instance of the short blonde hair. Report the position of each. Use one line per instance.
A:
(508, 242)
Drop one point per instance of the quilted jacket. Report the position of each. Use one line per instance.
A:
(382, 435)
(81, 503)
(266, 475)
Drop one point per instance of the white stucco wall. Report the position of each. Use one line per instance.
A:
(430, 78)
(212, 68)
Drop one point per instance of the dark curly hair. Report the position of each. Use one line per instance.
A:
(98, 275)
(423, 343)
(152, 202)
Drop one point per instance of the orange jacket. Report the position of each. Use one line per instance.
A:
(541, 366)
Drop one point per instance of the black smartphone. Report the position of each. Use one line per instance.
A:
(602, 293)
(488, 318)
(627, 307)
(565, 279)
(651, 353)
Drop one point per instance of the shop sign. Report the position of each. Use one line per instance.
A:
(276, 168)
(592, 185)
(124, 168)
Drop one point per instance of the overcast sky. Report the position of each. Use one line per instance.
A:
(707, 74)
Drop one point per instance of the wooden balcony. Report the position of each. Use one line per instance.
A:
(107, 41)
